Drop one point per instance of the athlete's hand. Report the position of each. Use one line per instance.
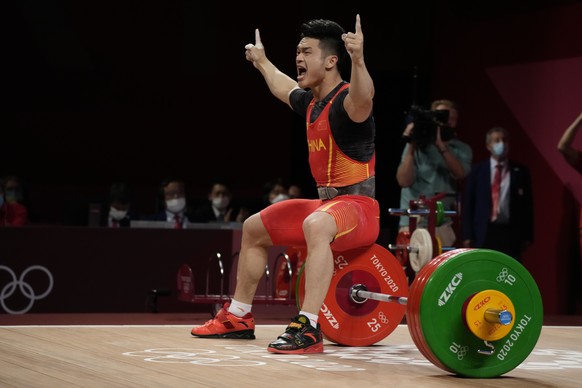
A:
(255, 52)
(354, 42)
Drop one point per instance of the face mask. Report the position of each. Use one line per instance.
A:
(498, 148)
(279, 198)
(13, 196)
(221, 202)
(176, 205)
(116, 214)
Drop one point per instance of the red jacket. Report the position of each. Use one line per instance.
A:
(13, 213)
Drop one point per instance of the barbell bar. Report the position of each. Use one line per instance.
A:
(419, 212)
(491, 317)
(439, 212)
(359, 294)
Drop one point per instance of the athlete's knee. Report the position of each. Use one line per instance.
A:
(254, 230)
(319, 224)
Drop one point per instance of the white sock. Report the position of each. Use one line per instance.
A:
(239, 309)
(312, 317)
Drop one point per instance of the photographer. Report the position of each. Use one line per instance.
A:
(433, 161)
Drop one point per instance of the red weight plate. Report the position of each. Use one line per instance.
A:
(346, 322)
(413, 308)
(402, 240)
(413, 305)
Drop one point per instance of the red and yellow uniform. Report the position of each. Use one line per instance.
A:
(357, 216)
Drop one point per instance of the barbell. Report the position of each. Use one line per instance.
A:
(471, 312)
(439, 212)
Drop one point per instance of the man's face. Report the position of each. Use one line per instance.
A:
(311, 63)
(219, 190)
(174, 190)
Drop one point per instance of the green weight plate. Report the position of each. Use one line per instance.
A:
(440, 213)
(440, 312)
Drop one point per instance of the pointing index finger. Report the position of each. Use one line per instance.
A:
(358, 24)
(258, 42)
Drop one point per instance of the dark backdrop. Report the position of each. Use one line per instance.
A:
(137, 91)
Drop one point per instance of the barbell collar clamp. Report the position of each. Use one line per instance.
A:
(503, 317)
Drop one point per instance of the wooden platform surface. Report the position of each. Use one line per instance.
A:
(166, 355)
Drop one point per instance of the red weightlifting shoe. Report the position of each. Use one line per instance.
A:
(227, 325)
(299, 338)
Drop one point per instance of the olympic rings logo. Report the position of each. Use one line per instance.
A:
(502, 275)
(25, 288)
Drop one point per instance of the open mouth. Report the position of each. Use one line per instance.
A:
(301, 71)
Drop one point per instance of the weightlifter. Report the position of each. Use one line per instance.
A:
(340, 136)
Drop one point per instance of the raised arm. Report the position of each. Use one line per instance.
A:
(358, 103)
(565, 144)
(280, 84)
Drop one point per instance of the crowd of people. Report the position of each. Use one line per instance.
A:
(117, 206)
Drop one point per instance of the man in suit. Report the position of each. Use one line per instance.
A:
(175, 207)
(497, 211)
(119, 212)
(219, 207)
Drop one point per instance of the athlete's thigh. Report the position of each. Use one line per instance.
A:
(284, 220)
(357, 219)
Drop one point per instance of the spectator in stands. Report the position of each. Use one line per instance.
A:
(12, 213)
(219, 207)
(274, 191)
(498, 201)
(16, 191)
(295, 191)
(13, 189)
(119, 212)
(173, 201)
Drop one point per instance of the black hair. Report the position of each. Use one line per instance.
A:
(161, 198)
(329, 34)
(501, 130)
(166, 181)
(120, 192)
(220, 180)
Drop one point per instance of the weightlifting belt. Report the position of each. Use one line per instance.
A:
(367, 188)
